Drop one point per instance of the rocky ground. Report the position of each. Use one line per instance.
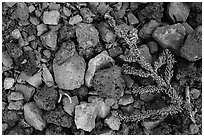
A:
(101, 68)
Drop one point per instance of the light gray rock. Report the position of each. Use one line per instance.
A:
(49, 39)
(17, 105)
(15, 96)
(113, 122)
(69, 105)
(8, 83)
(51, 17)
(41, 28)
(27, 91)
(125, 100)
(95, 63)
(33, 116)
(16, 34)
(85, 115)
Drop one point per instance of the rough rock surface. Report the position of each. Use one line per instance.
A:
(192, 48)
(51, 17)
(170, 36)
(69, 105)
(113, 122)
(49, 39)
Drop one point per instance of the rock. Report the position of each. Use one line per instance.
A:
(99, 61)
(188, 28)
(6, 59)
(75, 20)
(110, 101)
(47, 76)
(49, 39)
(87, 15)
(34, 21)
(178, 11)
(69, 105)
(31, 8)
(8, 83)
(106, 34)
(129, 81)
(195, 93)
(194, 128)
(70, 74)
(113, 122)
(138, 104)
(33, 116)
(150, 124)
(16, 34)
(41, 28)
(87, 35)
(35, 80)
(129, 109)
(47, 53)
(170, 36)
(144, 51)
(192, 48)
(15, 96)
(66, 11)
(107, 132)
(26, 90)
(85, 115)
(17, 105)
(51, 17)
(153, 47)
(125, 100)
(147, 29)
(22, 11)
(4, 125)
(109, 82)
(115, 51)
(132, 19)
(103, 108)
(10, 4)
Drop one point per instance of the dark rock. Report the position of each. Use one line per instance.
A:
(192, 48)
(10, 117)
(115, 51)
(153, 47)
(128, 109)
(132, 19)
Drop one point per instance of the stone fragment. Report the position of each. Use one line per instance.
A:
(35, 80)
(10, 4)
(178, 11)
(153, 47)
(15, 96)
(16, 34)
(6, 59)
(34, 21)
(144, 51)
(195, 93)
(8, 83)
(150, 124)
(107, 132)
(70, 74)
(75, 20)
(113, 122)
(132, 19)
(47, 53)
(4, 125)
(27, 91)
(31, 8)
(22, 11)
(51, 17)
(192, 48)
(147, 29)
(109, 82)
(99, 61)
(33, 116)
(47, 76)
(106, 34)
(194, 129)
(49, 39)
(41, 28)
(115, 51)
(17, 105)
(125, 100)
(69, 105)
(128, 109)
(85, 115)
(66, 11)
(170, 36)
(188, 28)
(87, 15)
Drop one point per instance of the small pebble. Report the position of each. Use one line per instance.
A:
(16, 34)
(17, 105)
(51, 17)
(194, 129)
(194, 93)
(132, 19)
(8, 83)
(66, 11)
(15, 96)
(41, 29)
(31, 8)
(113, 122)
(153, 47)
(125, 100)
(75, 20)
(47, 53)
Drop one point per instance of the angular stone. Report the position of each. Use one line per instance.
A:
(33, 116)
(132, 19)
(150, 124)
(106, 34)
(147, 29)
(17, 105)
(188, 28)
(69, 105)
(129, 109)
(22, 11)
(66, 11)
(99, 61)
(75, 20)
(35, 80)
(41, 28)
(178, 11)
(49, 39)
(10, 4)
(115, 51)
(31, 8)
(85, 115)
(170, 36)
(47, 76)
(6, 59)
(125, 100)
(8, 83)
(70, 74)
(195, 93)
(51, 17)
(113, 122)
(16, 34)
(153, 47)
(15, 96)
(27, 91)
(192, 48)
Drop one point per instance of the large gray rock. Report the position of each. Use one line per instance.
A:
(192, 48)
(33, 116)
(85, 115)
